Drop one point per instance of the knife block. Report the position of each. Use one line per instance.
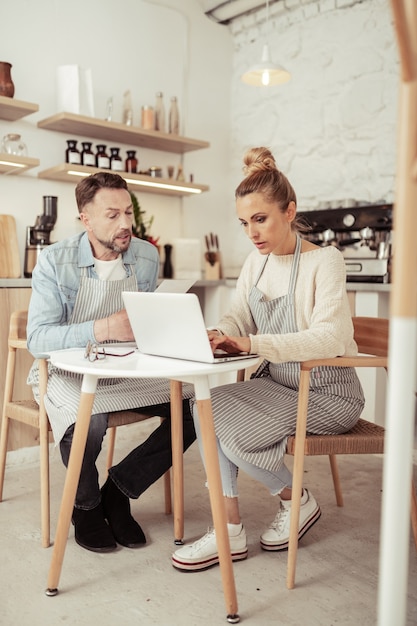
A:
(214, 272)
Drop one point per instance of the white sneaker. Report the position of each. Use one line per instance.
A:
(203, 553)
(277, 535)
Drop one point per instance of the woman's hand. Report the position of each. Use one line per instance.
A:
(228, 344)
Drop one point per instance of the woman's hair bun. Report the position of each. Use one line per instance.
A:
(258, 160)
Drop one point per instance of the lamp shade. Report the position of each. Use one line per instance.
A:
(266, 73)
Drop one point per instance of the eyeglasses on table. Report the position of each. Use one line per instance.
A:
(95, 352)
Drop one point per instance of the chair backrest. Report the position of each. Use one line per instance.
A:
(371, 335)
(17, 327)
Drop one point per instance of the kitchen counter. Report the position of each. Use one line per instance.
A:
(27, 282)
(10, 283)
(224, 282)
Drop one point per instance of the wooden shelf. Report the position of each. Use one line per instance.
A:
(136, 182)
(12, 164)
(12, 110)
(73, 124)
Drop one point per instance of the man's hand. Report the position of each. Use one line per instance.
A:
(114, 328)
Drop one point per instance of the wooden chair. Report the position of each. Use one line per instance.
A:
(30, 413)
(371, 336)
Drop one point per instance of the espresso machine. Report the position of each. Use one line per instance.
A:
(362, 232)
(38, 236)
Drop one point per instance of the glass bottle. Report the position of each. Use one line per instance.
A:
(131, 163)
(174, 117)
(102, 158)
(180, 174)
(87, 155)
(72, 154)
(116, 163)
(160, 112)
(127, 109)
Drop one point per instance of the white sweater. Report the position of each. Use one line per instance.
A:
(322, 309)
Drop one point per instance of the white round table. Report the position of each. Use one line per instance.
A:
(139, 365)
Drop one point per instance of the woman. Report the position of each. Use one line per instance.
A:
(290, 306)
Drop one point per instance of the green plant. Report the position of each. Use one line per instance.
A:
(142, 226)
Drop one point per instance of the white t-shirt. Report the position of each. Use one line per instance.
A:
(110, 270)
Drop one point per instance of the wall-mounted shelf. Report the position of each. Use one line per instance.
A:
(73, 124)
(12, 164)
(12, 110)
(67, 172)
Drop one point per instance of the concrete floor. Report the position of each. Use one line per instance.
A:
(337, 569)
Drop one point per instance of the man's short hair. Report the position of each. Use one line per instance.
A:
(87, 188)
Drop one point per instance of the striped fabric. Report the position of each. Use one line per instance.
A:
(97, 299)
(254, 418)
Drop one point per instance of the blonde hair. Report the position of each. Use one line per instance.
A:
(263, 176)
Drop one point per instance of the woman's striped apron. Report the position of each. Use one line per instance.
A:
(254, 418)
(97, 299)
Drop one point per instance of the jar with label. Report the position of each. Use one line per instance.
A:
(102, 158)
(160, 112)
(155, 171)
(87, 155)
(131, 163)
(116, 163)
(174, 117)
(148, 118)
(72, 154)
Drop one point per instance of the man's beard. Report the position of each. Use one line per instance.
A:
(112, 245)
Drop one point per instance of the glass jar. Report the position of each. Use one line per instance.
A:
(72, 154)
(87, 155)
(116, 163)
(148, 118)
(155, 171)
(160, 112)
(102, 158)
(174, 117)
(13, 144)
(131, 163)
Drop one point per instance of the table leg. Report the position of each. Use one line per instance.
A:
(217, 506)
(71, 481)
(177, 460)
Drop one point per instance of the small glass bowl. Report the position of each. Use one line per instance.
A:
(13, 144)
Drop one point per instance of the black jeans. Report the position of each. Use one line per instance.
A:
(140, 468)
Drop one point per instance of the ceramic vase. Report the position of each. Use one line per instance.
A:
(6, 83)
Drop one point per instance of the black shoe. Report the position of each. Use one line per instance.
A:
(91, 530)
(116, 508)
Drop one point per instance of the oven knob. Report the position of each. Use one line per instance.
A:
(348, 220)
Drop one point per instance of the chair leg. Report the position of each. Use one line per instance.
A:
(44, 457)
(5, 422)
(414, 511)
(336, 479)
(3, 451)
(297, 484)
(167, 493)
(45, 489)
(111, 433)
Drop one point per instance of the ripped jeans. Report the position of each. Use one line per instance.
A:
(230, 464)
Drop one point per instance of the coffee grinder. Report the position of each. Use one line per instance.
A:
(38, 236)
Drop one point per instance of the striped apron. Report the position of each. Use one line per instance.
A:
(254, 418)
(97, 299)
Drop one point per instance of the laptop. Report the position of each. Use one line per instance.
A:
(172, 325)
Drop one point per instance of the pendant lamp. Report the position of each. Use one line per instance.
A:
(266, 73)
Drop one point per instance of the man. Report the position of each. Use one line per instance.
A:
(76, 297)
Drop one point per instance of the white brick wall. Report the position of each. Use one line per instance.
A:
(332, 128)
